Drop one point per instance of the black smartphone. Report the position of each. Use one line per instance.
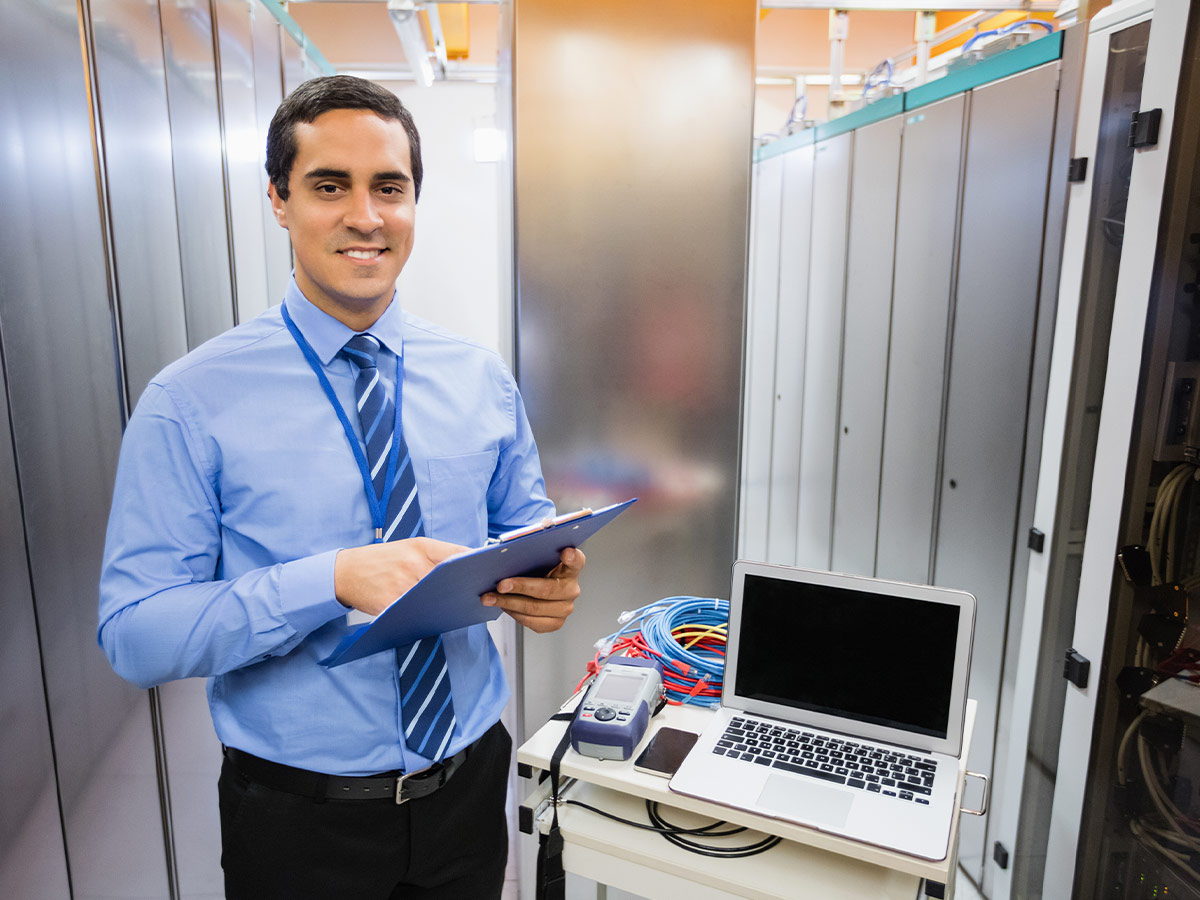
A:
(665, 752)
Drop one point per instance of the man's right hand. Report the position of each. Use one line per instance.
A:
(370, 578)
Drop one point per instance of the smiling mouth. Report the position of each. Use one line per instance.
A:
(363, 254)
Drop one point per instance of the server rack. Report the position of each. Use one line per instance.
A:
(117, 258)
(942, 228)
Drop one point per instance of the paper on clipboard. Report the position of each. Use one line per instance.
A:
(448, 597)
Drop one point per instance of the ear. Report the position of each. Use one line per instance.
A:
(279, 207)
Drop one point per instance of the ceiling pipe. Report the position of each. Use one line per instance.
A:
(439, 38)
(403, 14)
(970, 23)
(839, 30)
(423, 3)
(458, 72)
(925, 31)
(918, 6)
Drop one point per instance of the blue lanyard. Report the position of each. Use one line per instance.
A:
(378, 505)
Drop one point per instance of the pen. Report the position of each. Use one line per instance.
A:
(541, 526)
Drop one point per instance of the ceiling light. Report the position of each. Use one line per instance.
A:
(489, 144)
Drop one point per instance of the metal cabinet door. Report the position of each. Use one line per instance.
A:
(925, 245)
(788, 398)
(140, 186)
(295, 62)
(200, 183)
(33, 862)
(759, 387)
(822, 350)
(65, 418)
(870, 253)
(268, 91)
(1009, 138)
(242, 144)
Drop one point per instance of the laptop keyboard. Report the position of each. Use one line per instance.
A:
(878, 770)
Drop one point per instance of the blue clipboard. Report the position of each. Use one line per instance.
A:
(448, 597)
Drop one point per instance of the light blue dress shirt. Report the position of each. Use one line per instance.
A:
(234, 492)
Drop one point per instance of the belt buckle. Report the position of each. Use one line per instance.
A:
(400, 798)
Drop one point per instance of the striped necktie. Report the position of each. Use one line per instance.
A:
(425, 701)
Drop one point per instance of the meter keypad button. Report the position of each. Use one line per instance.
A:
(604, 714)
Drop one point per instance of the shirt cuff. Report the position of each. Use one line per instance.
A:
(306, 594)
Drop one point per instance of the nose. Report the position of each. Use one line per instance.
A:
(361, 214)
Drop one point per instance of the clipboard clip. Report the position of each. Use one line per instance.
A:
(540, 526)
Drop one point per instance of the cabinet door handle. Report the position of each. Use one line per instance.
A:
(987, 794)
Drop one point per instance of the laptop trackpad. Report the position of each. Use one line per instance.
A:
(805, 802)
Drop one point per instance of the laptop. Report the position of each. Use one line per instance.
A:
(842, 708)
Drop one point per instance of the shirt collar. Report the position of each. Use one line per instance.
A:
(327, 335)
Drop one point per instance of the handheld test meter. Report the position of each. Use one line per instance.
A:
(612, 718)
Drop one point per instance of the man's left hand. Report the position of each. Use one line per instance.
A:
(541, 604)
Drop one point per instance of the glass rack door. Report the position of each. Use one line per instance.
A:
(1113, 161)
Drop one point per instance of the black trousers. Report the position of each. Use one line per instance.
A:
(451, 845)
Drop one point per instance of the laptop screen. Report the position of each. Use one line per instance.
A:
(876, 658)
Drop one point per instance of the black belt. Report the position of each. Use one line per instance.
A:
(394, 786)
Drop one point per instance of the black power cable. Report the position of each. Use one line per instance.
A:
(676, 833)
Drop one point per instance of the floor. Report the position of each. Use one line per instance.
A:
(964, 888)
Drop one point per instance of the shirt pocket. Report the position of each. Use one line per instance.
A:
(458, 497)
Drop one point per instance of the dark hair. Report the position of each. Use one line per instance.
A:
(320, 95)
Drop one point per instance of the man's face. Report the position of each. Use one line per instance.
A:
(350, 212)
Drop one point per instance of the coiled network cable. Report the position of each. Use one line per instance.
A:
(686, 635)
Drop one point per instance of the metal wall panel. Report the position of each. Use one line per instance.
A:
(196, 150)
(822, 350)
(136, 128)
(1009, 137)
(295, 64)
(136, 131)
(631, 287)
(33, 862)
(243, 149)
(761, 327)
(925, 244)
(193, 764)
(268, 92)
(788, 397)
(869, 259)
(66, 412)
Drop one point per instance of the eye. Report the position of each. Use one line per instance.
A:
(391, 190)
(326, 188)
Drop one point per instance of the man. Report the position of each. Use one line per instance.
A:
(264, 499)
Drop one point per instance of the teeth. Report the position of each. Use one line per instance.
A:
(362, 254)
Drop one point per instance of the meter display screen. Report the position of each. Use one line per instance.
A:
(612, 719)
(622, 688)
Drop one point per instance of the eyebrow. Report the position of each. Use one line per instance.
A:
(396, 175)
(327, 173)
